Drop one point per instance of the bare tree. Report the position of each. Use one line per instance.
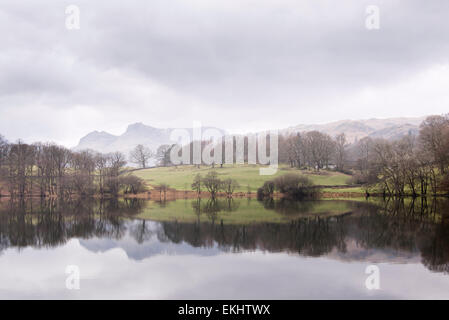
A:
(163, 154)
(20, 164)
(212, 183)
(116, 161)
(197, 183)
(101, 164)
(3, 149)
(229, 186)
(340, 151)
(434, 136)
(140, 155)
(320, 148)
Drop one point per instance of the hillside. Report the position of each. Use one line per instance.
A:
(181, 177)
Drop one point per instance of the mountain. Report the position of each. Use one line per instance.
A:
(96, 140)
(392, 128)
(137, 133)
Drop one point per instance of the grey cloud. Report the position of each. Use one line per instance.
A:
(291, 56)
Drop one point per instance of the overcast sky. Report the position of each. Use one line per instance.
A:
(242, 65)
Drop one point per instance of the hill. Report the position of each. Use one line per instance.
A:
(181, 177)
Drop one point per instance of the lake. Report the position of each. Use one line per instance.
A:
(224, 249)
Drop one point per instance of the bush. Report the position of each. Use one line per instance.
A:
(291, 186)
(132, 184)
(266, 190)
(296, 186)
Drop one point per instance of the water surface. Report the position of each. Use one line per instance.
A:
(227, 249)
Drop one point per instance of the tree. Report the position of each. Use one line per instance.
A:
(320, 148)
(3, 149)
(60, 160)
(229, 186)
(196, 185)
(340, 151)
(266, 190)
(133, 184)
(140, 155)
(116, 161)
(292, 150)
(101, 164)
(83, 166)
(212, 183)
(434, 137)
(163, 154)
(20, 163)
(3, 154)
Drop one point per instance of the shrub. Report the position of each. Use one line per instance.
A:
(295, 186)
(291, 186)
(266, 190)
(132, 184)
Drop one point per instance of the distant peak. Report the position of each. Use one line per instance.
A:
(137, 125)
(97, 133)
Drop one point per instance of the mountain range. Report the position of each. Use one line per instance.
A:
(139, 133)
(392, 128)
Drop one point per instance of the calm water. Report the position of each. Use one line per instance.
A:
(240, 249)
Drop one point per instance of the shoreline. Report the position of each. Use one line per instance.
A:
(173, 194)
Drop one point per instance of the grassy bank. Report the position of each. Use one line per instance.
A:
(181, 177)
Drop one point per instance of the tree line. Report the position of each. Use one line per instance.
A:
(213, 184)
(52, 170)
(413, 165)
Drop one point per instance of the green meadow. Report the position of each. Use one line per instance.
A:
(181, 177)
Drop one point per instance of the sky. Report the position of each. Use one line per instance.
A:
(241, 65)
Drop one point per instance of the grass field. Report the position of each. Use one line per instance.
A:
(181, 177)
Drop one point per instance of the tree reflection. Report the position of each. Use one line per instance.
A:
(51, 222)
(287, 206)
(396, 227)
(213, 206)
